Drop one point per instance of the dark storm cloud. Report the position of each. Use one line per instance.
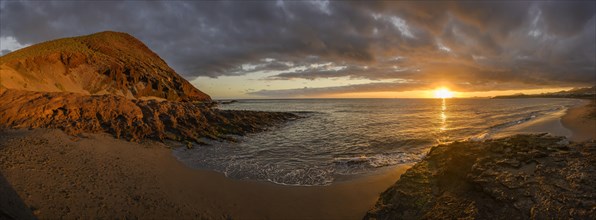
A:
(476, 45)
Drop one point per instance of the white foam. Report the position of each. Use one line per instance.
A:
(549, 122)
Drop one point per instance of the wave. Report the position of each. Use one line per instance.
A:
(360, 164)
(535, 115)
(353, 111)
(315, 175)
(305, 176)
(515, 122)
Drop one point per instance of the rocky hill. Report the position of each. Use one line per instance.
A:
(102, 63)
(111, 82)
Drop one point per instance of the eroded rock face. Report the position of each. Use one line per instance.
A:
(520, 177)
(102, 63)
(130, 119)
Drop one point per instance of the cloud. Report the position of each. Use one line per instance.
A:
(9, 44)
(370, 87)
(488, 44)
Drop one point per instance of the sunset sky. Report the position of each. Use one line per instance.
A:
(286, 49)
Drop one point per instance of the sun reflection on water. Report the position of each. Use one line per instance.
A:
(443, 116)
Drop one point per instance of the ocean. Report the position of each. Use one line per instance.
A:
(339, 138)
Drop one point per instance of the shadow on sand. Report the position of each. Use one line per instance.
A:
(11, 205)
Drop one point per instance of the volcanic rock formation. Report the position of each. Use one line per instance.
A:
(130, 119)
(519, 177)
(102, 63)
(111, 82)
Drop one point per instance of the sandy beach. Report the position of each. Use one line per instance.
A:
(58, 176)
(574, 123)
(581, 120)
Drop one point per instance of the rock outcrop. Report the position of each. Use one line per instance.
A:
(102, 63)
(519, 177)
(130, 119)
(111, 82)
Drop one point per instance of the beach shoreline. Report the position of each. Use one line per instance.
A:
(571, 122)
(97, 176)
(49, 174)
(581, 120)
(529, 171)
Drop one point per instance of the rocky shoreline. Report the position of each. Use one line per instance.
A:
(80, 85)
(130, 119)
(518, 177)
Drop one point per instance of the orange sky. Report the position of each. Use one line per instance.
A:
(431, 94)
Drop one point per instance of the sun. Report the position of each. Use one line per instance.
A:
(443, 93)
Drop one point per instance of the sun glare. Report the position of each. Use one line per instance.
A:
(443, 93)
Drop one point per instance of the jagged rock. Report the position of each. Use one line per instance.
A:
(130, 119)
(520, 177)
(111, 82)
(102, 63)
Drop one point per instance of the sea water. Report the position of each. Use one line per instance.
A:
(343, 137)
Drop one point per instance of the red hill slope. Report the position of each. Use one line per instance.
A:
(102, 63)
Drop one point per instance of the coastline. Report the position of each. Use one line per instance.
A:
(47, 173)
(58, 176)
(571, 123)
(523, 172)
(581, 120)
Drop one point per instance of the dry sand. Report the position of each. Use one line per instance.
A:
(581, 120)
(97, 176)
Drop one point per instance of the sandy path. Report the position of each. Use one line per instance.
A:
(99, 176)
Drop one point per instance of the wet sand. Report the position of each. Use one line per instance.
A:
(581, 120)
(573, 123)
(97, 176)
(550, 123)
